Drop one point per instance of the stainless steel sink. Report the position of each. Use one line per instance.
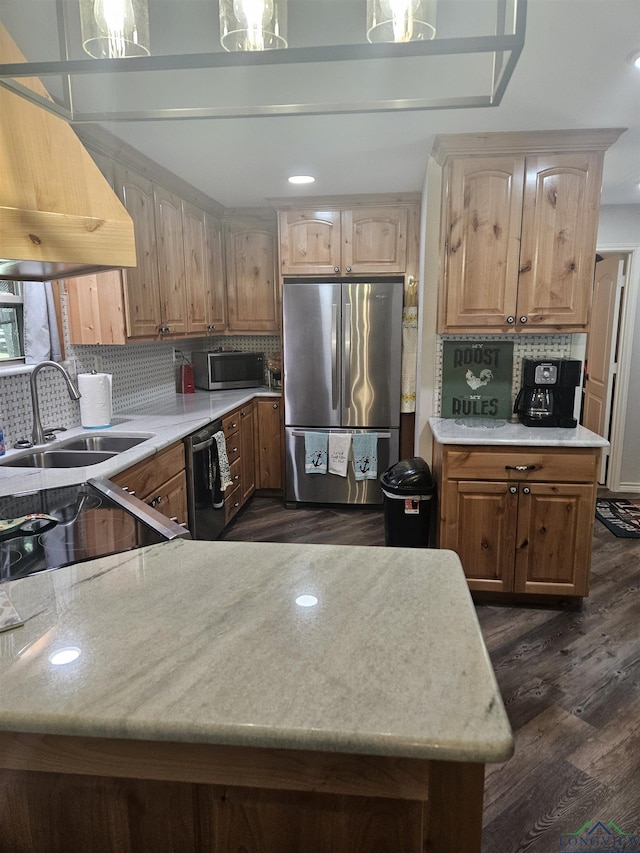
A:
(101, 442)
(58, 459)
(77, 452)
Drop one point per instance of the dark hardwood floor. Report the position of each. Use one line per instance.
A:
(570, 680)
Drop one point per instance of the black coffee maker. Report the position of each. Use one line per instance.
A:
(548, 392)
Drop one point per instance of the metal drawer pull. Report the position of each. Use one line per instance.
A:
(520, 467)
(513, 489)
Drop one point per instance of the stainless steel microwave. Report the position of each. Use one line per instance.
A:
(215, 371)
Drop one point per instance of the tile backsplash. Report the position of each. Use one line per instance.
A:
(142, 374)
(524, 346)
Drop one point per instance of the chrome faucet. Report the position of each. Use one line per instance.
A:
(37, 435)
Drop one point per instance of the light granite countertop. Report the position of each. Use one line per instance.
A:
(203, 642)
(449, 431)
(168, 420)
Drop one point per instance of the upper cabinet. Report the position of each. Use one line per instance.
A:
(518, 230)
(171, 263)
(356, 241)
(142, 296)
(252, 296)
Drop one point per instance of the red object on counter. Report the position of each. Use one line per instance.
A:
(186, 385)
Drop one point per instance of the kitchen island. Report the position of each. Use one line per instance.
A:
(242, 696)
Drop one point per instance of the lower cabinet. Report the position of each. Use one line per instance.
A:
(238, 430)
(269, 441)
(160, 481)
(521, 520)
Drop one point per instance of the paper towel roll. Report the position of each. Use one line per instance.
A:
(95, 402)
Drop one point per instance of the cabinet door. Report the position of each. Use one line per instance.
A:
(247, 452)
(310, 242)
(483, 215)
(171, 498)
(95, 308)
(553, 549)
(251, 278)
(141, 282)
(173, 298)
(269, 443)
(217, 316)
(559, 229)
(374, 240)
(478, 521)
(198, 291)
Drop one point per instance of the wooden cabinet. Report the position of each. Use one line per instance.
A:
(216, 318)
(177, 288)
(239, 434)
(521, 519)
(518, 230)
(141, 283)
(252, 299)
(269, 443)
(160, 481)
(171, 265)
(361, 240)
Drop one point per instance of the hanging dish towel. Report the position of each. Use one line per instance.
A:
(223, 460)
(339, 446)
(315, 452)
(409, 359)
(365, 455)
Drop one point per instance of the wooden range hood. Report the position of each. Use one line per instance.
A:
(58, 215)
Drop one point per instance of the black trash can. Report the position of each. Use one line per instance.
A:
(407, 489)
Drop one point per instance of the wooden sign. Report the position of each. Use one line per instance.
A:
(476, 379)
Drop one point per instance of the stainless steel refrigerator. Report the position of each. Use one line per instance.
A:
(342, 346)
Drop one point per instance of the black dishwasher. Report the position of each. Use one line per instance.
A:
(205, 498)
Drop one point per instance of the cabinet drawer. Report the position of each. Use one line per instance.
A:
(147, 476)
(232, 503)
(236, 471)
(233, 448)
(231, 423)
(522, 463)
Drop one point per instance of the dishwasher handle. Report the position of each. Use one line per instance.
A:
(202, 445)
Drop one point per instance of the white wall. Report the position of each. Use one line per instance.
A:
(619, 228)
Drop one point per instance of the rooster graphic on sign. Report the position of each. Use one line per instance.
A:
(475, 382)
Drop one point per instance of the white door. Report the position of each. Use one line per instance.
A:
(601, 349)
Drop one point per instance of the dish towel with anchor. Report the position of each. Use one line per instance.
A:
(315, 452)
(223, 461)
(365, 455)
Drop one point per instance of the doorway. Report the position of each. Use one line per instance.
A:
(607, 358)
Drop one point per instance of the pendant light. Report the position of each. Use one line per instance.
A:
(401, 20)
(253, 24)
(112, 29)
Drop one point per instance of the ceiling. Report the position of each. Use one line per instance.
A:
(573, 73)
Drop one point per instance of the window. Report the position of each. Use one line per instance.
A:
(11, 336)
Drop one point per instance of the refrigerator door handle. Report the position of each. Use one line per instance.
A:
(334, 356)
(299, 433)
(346, 337)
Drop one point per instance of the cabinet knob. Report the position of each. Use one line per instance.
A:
(348, 269)
(519, 467)
(211, 328)
(513, 489)
(274, 405)
(523, 319)
(336, 269)
(234, 449)
(511, 320)
(526, 490)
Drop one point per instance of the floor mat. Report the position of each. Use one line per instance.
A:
(621, 517)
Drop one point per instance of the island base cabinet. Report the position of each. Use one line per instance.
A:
(59, 794)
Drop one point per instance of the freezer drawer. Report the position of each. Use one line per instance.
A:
(330, 488)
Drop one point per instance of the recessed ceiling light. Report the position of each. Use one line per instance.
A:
(301, 179)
